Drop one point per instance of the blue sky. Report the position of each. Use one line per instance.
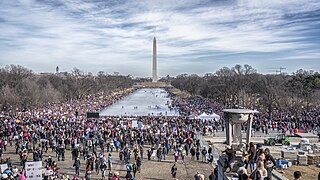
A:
(194, 36)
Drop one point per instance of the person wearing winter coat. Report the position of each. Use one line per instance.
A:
(77, 164)
(174, 170)
(138, 163)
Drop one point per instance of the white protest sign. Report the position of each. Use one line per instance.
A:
(134, 124)
(34, 170)
(154, 153)
(3, 167)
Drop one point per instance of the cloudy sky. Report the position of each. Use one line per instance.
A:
(193, 36)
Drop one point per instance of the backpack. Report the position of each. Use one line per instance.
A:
(129, 167)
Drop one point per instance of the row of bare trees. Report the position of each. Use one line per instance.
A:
(21, 88)
(243, 86)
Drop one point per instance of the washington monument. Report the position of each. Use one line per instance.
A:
(154, 62)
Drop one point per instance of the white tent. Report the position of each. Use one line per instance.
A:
(204, 116)
(214, 116)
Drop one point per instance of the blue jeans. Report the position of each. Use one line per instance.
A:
(251, 164)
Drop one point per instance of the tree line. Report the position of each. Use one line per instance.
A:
(243, 86)
(22, 88)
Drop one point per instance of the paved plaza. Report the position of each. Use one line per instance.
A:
(152, 169)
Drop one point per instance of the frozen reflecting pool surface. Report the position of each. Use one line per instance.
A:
(143, 102)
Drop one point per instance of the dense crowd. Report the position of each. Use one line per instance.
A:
(63, 126)
(90, 140)
(34, 131)
(288, 122)
(196, 105)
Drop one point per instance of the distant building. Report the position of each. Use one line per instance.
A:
(62, 74)
(44, 74)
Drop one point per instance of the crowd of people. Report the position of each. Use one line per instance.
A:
(259, 160)
(64, 127)
(288, 122)
(33, 131)
(195, 105)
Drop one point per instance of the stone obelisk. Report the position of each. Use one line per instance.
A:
(154, 62)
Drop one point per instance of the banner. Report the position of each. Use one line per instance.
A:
(34, 170)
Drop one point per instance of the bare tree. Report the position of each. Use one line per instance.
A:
(242, 85)
(20, 88)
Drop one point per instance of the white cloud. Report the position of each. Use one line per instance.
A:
(118, 34)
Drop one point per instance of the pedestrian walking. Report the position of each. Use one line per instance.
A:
(174, 170)
(76, 164)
